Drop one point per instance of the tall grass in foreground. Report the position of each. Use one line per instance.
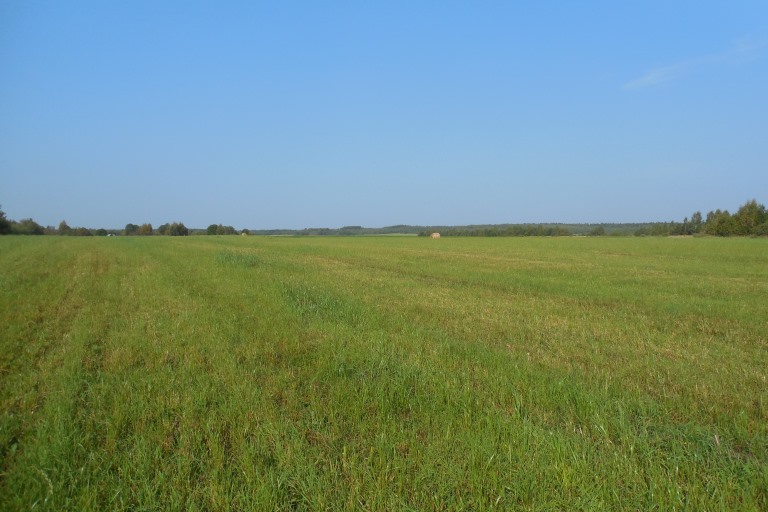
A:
(228, 373)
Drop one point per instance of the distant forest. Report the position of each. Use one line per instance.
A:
(751, 219)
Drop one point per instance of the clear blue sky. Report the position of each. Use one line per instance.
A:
(299, 114)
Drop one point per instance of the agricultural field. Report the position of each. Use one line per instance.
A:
(383, 373)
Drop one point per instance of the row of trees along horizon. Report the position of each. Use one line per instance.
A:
(751, 219)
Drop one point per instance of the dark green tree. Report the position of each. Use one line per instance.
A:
(748, 217)
(27, 227)
(174, 229)
(5, 225)
(131, 229)
(220, 229)
(761, 230)
(696, 223)
(64, 228)
(597, 231)
(720, 223)
(145, 230)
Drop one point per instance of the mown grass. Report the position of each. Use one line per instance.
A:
(232, 373)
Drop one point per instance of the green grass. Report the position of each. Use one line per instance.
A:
(383, 373)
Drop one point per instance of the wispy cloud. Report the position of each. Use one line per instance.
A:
(657, 76)
(740, 51)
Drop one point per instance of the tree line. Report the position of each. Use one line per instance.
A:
(30, 227)
(168, 229)
(751, 219)
(504, 230)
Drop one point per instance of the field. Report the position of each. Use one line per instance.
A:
(383, 373)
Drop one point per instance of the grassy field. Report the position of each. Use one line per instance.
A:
(250, 373)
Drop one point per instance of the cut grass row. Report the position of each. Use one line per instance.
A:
(383, 373)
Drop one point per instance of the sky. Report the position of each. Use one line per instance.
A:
(297, 114)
